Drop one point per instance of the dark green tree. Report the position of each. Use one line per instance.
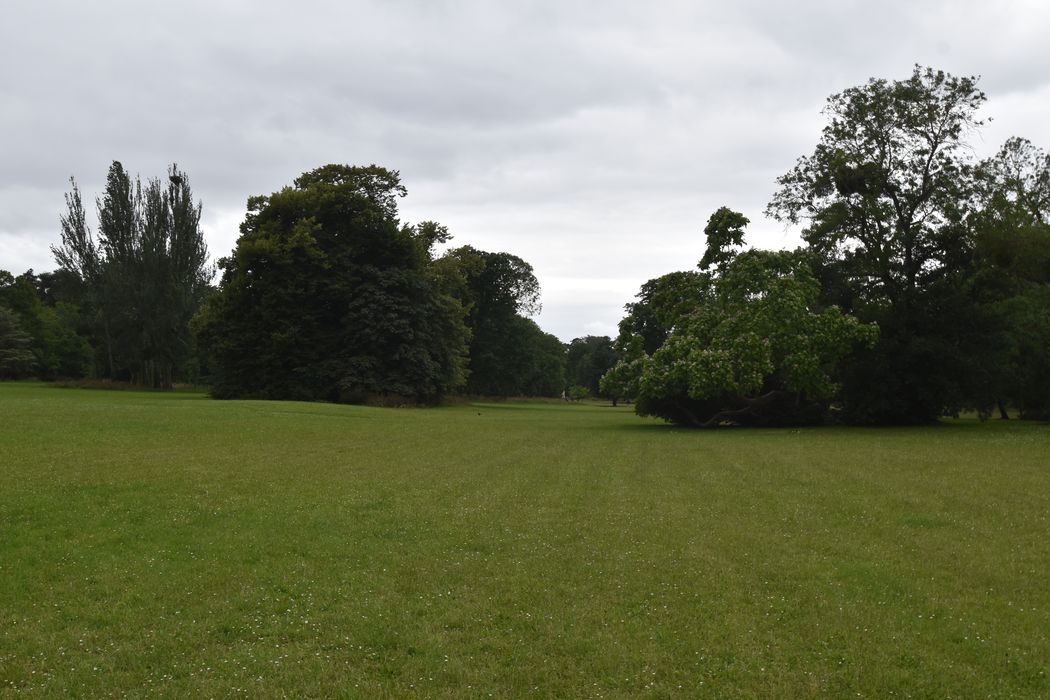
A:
(145, 274)
(57, 350)
(173, 276)
(662, 304)
(327, 296)
(586, 360)
(16, 357)
(509, 354)
(884, 200)
(534, 358)
(1012, 244)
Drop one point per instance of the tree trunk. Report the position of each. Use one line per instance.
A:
(752, 407)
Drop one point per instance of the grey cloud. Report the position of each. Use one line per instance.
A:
(591, 139)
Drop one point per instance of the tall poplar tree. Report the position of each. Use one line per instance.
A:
(146, 271)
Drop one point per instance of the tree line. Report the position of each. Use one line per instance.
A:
(922, 290)
(119, 305)
(327, 296)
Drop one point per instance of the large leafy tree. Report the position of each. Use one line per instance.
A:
(1012, 243)
(884, 199)
(328, 296)
(758, 348)
(663, 303)
(746, 340)
(509, 354)
(146, 272)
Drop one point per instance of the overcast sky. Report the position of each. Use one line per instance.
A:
(592, 139)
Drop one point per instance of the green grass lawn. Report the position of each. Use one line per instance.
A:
(166, 544)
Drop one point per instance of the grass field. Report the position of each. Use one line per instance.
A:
(170, 545)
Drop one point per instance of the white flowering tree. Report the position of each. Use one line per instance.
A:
(756, 350)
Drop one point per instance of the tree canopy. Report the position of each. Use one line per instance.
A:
(749, 344)
(587, 360)
(885, 199)
(144, 275)
(327, 296)
(52, 324)
(921, 290)
(509, 354)
(16, 358)
(1012, 276)
(907, 232)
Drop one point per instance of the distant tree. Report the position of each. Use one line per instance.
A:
(174, 275)
(498, 283)
(327, 296)
(587, 359)
(509, 354)
(575, 392)
(533, 359)
(60, 286)
(884, 198)
(19, 295)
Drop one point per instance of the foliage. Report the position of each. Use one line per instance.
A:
(885, 198)
(515, 358)
(16, 358)
(496, 283)
(577, 393)
(542, 355)
(724, 232)
(662, 304)
(56, 347)
(145, 273)
(756, 349)
(509, 354)
(622, 379)
(884, 188)
(327, 296)
(587, 360)
(1012, 251)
